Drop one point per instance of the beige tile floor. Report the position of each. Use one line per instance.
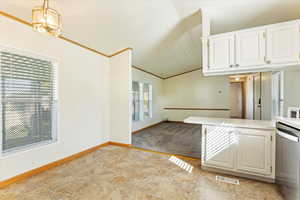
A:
(124, 173)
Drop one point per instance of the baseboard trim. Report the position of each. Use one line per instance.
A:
(119, 144)
(151, 151)
(181, 122)
(150, 126)
(165, 154)
(39, 170)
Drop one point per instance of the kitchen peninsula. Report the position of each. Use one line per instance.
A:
(238, 147)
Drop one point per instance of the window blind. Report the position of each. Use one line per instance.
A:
(28, 96)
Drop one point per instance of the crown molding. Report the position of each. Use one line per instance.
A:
(164, 78)
(138, 68)
(22, 21)
(121, 51)
(83, 46)
(183, 73)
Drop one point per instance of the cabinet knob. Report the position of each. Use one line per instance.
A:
(268, 62)
(237, 65)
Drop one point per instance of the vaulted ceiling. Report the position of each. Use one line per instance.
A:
(165, 34)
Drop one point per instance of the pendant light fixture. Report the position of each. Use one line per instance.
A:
(46, 20)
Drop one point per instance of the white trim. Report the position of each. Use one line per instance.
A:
(141, 99)
(28, 147)
(282, 99)
(150, 101)
(28, 53)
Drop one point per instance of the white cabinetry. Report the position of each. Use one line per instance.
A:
(253, 50)
(219, 149)
(239, 150)
(254, 151)
(221, 52)
(250, 48)
(283, 43)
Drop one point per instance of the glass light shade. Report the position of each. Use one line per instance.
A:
(46, 20)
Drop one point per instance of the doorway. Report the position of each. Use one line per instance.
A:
(236, 100)
(245, 96)
(257, 96)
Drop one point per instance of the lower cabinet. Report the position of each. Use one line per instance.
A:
(240, 150)
(219, 150)
(254, 151)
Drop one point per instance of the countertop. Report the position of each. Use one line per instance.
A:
(237, 123)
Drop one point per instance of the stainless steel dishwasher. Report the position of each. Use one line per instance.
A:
(288, 160)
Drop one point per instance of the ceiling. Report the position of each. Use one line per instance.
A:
(165, 34)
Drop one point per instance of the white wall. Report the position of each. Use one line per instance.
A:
(120, 98)
(157, 98)
(85, 85)
(266, 95)
(291, 88)
(194, 90)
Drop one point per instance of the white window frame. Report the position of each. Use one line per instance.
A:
(141, 99)
(55, 120)
(138, 100)
(149, 101)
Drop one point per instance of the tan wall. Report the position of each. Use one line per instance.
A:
(193, 90)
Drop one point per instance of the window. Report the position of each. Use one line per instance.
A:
(136, 101)
(29, 100)
(141, 101)
(147, 101)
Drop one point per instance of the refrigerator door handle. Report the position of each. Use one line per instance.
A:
(288, 136)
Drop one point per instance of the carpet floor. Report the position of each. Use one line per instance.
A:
(171, 137)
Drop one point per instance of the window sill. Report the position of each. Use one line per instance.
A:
(27, 148)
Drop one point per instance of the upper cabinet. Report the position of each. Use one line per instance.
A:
(252, 50)
(283, 43)
(221, 52)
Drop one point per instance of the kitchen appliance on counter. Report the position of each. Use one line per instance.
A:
(288, 160)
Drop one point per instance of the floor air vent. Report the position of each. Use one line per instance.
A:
(228, 180)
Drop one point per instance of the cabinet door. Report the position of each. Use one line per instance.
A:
(221, 52)
(254, 151)
(283, 43)
(250, 48)
(218, 147)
